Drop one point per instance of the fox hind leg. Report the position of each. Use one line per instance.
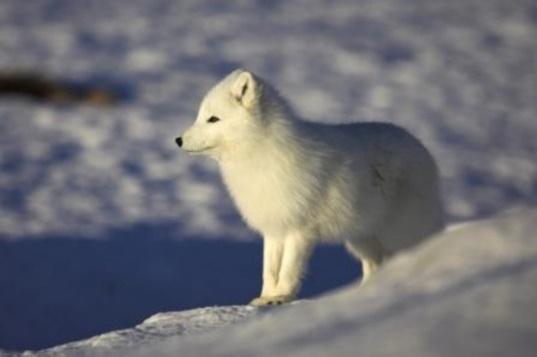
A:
(369, 252)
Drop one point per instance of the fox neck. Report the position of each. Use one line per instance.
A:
(265, 139)
(274, 128)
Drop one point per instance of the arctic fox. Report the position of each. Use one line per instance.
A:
(371, 185)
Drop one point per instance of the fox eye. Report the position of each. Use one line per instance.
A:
(213, 119)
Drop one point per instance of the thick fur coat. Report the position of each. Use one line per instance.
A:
(371, 185)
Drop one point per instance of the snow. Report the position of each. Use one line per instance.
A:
(464, 84)
(103, 222)
(156, 329)
(467, 292)
(61, 289)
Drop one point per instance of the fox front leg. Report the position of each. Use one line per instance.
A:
(296, 252)
(272, 259)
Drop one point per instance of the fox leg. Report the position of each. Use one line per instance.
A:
(296, 252)
(272, 260)
(370, 253)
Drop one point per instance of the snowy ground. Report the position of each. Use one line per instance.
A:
(468, 292)
(103, 222)
(155, 329)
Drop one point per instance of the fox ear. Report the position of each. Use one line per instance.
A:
(244, 89)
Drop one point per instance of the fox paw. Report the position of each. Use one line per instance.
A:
(271, 300)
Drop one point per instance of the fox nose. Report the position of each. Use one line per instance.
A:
(179, 141)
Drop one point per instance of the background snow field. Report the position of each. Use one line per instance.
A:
(104, 222)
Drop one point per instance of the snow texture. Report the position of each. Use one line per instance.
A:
(103, 222)
(153, 330)
(459, 75)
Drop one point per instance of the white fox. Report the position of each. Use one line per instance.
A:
(372, 185)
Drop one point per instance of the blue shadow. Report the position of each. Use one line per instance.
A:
(59, 289)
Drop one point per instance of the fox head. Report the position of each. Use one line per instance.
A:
(229, 117)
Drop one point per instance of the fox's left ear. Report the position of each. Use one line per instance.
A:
(244, 89)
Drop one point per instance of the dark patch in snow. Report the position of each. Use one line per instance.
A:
(98, 91)
(395, 54)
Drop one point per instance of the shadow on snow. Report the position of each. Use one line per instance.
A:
(59, 289)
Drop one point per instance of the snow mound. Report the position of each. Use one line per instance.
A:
(470, 291)
(154, 329)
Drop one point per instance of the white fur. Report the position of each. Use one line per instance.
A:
(371, 185)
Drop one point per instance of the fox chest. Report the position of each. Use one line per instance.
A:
(268, 201)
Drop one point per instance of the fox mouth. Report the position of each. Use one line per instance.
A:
(199, 151)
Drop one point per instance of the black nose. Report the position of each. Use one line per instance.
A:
(179, 141)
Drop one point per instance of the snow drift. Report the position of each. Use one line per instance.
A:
(470, 291)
